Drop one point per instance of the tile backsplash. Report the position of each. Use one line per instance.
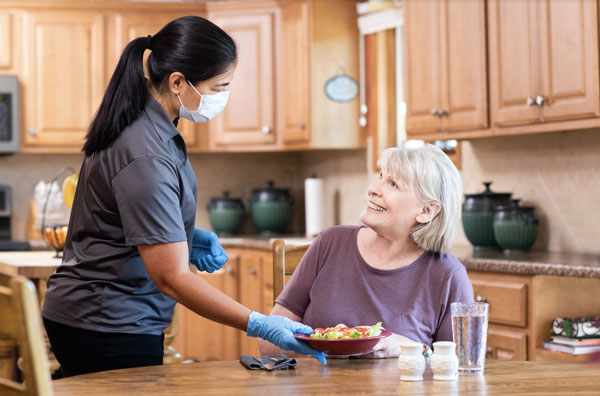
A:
(559, 173)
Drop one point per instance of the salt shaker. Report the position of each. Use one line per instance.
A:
(444, 362)
(411, 362)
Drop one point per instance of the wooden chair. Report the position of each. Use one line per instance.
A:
(21, 321)
(285, 261)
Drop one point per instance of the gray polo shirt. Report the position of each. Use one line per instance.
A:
(141, 190)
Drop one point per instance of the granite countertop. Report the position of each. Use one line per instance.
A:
(529, 263)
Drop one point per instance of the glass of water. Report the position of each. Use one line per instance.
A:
(469, 330)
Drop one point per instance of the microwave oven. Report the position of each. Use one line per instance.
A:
(9, 114)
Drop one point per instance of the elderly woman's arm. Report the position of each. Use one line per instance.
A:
(265, 347)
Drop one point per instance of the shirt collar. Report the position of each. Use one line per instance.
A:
(165, 127)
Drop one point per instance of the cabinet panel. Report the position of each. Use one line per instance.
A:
(513, 65)
(249, 116)
(422, 73)
(295, 61)
(203, 339)
(569, 53)
(251, 295)
(63, 83)
(5, 40)
(507, 298)
(464, 70)
(506, 344)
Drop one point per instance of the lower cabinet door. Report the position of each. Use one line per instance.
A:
(506, 344)
(202, 339)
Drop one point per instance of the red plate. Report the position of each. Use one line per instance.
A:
(343, 346)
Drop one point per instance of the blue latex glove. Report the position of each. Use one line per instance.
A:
(279, 331)
(207, 253)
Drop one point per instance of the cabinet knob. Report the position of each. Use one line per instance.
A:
(266, 130)
(301, 126)
(32, 131)
(228, 269)
(252, 271)
(489, 351)
(442, 113)
(435, 112)
(540, 100)
(530, 101)
(480, 299)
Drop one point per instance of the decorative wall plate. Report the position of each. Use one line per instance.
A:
(341, 88)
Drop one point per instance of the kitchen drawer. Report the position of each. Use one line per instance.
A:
(505, 344)
(506, 294)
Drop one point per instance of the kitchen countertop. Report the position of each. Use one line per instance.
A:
(41, 264)
(529, 263)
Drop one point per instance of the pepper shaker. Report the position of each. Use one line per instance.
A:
(444, 362)
(411, 362)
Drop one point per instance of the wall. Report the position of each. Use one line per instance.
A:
(559, 173)
(343, 171)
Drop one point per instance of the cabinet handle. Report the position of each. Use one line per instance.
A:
(301, 126)
(32, 131)
(252, 271)
(228, 269)
(435, 112)
(266, 130)
(480, 299)
(442, 113)
(489, 351)
(530, 101)
(540, 100)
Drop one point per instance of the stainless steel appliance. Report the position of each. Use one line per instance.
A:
(9, 114)
(6, 242)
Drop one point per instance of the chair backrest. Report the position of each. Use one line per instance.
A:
(21, 321)
(285, 261)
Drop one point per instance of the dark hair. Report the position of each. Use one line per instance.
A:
(191, 45)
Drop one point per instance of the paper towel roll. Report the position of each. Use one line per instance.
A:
(314, 204)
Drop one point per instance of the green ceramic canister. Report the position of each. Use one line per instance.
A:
(478, 216)
(225, 214)
(515, 227)
(271, 209)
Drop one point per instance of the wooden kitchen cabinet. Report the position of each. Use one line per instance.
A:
(63, 78)
(445, 67)
(522, 308)
(249, 118)
(247, 278)
(543, 61)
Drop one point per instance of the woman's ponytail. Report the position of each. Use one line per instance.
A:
(123, 101)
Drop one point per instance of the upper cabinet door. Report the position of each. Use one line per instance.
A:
(569, 59)
(422, 65)
(63, 79)
(463, 65)
(249, 118)
(514, 67)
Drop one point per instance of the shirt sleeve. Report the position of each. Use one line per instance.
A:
(296, 294)
(457, 288)
(147, 193)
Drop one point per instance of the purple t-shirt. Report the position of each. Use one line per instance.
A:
(334, 284)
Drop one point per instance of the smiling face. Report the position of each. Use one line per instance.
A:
(393, 207)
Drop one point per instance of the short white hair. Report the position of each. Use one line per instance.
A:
(432, 176)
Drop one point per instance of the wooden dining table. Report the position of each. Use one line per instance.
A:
(371, 377)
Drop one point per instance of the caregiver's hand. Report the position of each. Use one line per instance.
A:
(279, 331)
(207, 253)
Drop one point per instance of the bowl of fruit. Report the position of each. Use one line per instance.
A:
(55, 236)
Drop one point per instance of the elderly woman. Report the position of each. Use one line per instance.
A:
(396, 269)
